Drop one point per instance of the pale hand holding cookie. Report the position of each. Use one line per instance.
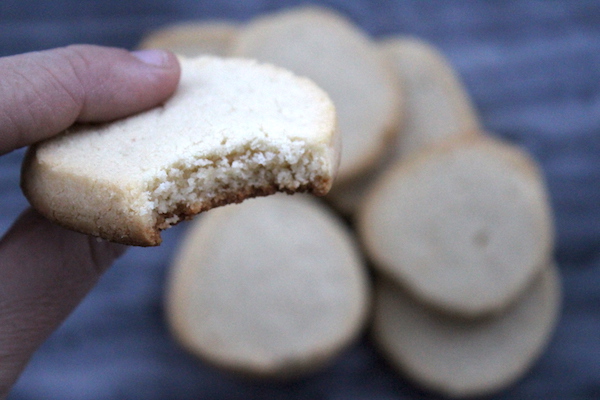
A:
(46, 270)
(233, 129)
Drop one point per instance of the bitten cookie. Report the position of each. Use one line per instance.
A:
(273, 287)
(461, 358)
(326, 47)
(192, 39)
(234, 129)
(464, 227)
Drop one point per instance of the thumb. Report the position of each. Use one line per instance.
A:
(46, 270)
(45, 92)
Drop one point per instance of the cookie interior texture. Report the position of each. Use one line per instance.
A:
(234, 129)
(273, 287)
(326, 47)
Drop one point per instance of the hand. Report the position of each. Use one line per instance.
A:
(46, 270)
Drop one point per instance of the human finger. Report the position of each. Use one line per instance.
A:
(45, 271)
(43, 93)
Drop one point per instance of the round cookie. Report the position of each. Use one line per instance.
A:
(273, 287)
(437, 106)
(458, 357)
(338, 56)
(436, 109)
(464, 227)
(192, 39)
(234, 129)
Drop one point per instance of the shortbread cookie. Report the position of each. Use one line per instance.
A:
(464, 227)
(272, 287)
(436, 109)
(339, 57)
(461, 358)
(234, 129)
(193, 38)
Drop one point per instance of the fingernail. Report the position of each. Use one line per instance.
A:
(154, 57)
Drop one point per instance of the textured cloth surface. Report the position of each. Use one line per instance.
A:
(533, 71)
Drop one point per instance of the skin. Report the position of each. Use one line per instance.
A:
(46, 270)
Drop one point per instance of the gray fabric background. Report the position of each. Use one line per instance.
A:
(533, 71)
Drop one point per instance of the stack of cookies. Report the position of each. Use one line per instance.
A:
(454, 225)
(459, 229)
